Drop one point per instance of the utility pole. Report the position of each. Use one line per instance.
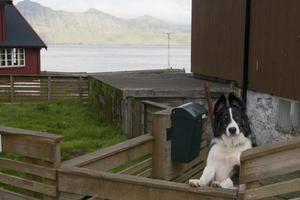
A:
(169, 49)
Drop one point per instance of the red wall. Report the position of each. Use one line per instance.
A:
(32, 61)
(2, 23)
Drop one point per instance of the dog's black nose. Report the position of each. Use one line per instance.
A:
(232, 130)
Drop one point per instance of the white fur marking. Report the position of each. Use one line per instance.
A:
(232, 124)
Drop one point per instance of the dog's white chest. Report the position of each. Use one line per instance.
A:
(229, 156)
(224, 158)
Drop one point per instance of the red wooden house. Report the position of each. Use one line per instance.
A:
(20, 45)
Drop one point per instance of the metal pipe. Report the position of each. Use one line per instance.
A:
(246, 49)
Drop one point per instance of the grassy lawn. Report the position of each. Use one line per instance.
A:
(74, 120)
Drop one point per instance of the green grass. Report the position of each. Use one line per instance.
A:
(74, 120)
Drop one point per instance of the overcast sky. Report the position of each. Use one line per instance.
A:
(175, 11)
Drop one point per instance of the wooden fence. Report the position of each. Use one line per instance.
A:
(130, 167)
(32, 172)
(140, 168)
(22, 88)
(272, 171)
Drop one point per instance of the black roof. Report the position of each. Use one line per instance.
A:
(18, 33)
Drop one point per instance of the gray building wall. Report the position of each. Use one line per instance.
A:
(264, 114)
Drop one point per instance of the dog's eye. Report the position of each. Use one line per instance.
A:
(235, 116)
(226, 118)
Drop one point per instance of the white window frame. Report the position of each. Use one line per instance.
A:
(15, 57)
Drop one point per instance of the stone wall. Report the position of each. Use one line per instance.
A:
(263, 110)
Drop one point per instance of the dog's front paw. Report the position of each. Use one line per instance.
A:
(216, 184)
(196, 183)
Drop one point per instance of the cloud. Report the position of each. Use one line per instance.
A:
(175, 11)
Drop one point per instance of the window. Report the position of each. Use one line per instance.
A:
(12, 57)
(289, 115)
(284, 114)
(297, 118)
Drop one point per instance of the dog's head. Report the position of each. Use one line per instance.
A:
(230, 118)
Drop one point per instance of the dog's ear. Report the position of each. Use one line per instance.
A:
(220, 104)
(236, 102)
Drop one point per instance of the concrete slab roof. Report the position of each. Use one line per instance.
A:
(154, 83)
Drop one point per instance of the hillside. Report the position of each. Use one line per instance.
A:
(96, 27)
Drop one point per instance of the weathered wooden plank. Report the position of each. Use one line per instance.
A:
(28, 168)
(70, 196)
(7, 195)
(271, 149)
(146, 173)
(137, 167)
(272, 190)
(43, 146)
(187, 175)
(175, 169)
(11, 89)
(116, 155)
(28, 185)
(278, 163)
(156, 105)
(16, 131)
(105, 185)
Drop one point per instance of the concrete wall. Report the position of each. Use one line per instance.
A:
(263, 112)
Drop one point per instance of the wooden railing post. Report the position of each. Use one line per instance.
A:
(80, 88)
(160, 122)
(12, 89)
(49, 88)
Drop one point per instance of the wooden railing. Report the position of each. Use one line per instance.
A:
(109, 159)
(148, 109)
(126, 171)
(272, 171)
(95, 176)
(22, 88)
(105, 185)
(32, 173)
(30, 169)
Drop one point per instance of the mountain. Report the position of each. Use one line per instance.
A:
(96, 27)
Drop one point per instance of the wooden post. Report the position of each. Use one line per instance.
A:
(80, 88)
(143, 109)
(12, 92)
(49, 88)
(160, 122)
(129, 102)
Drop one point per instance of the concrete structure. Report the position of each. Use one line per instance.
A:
(120, 96)
(270, 119)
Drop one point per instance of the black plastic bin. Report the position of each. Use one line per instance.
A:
(186, 131)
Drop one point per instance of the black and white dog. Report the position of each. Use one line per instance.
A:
(232, 136)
